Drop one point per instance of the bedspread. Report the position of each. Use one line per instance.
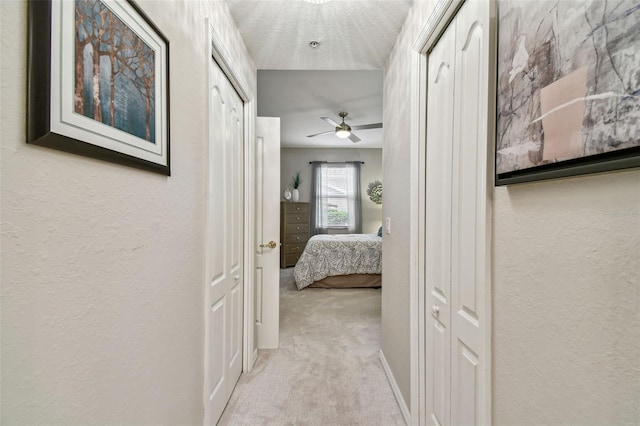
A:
(329, 255)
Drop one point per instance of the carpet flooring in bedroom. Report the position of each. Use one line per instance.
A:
(326, 371)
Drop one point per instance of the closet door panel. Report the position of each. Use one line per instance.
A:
(438, 228)
(468, 220)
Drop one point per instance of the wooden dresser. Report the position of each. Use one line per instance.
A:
(294, 232)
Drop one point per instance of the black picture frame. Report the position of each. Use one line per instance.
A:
(44, 100)
(513, 36)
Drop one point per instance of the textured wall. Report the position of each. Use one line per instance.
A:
(297, 159)
(566, 301)
(399, 177)
(102, 267)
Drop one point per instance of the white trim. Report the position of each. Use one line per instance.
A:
(417, 274)
(394, 387)
(438, 20)
(228, 65)
(416, 259)
(442, 13)
(217, 49)
(249, 352)
(490, 176)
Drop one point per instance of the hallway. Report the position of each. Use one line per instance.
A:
(327, 369)
(103, 270)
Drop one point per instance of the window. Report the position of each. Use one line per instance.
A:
(336, 197)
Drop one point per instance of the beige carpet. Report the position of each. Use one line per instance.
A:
(326, 371)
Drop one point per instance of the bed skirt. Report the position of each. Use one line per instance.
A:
(350, 281)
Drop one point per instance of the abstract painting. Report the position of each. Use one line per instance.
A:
(99, 72)
(568, 88)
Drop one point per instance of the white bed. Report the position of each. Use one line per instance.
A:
(352, 260)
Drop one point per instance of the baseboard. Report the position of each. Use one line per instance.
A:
(396, 390)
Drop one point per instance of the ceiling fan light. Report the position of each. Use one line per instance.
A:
(342, 133)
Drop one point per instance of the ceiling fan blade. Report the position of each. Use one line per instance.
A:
(321, 133)
(330, 121)
(367, 126)
(354, 138)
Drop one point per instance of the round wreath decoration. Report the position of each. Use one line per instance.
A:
(374, 191)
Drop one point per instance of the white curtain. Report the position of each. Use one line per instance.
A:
(335, 199)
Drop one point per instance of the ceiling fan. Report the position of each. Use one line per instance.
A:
(343, 130)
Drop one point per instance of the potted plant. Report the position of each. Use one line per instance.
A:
(296, 180)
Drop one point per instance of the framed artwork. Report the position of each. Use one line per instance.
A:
(98, 82)
(568, 89)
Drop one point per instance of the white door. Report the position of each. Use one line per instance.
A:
(469, 248)
(224, 245)
(267, 274)
(438, 226)
(458, 350)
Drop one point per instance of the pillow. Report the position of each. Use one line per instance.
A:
(380, 232)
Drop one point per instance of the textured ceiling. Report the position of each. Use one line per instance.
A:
(300, 84)
(300, 98)
(353, 34)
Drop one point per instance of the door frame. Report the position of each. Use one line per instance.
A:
(437, 22)
(217, 51)
(267, 292)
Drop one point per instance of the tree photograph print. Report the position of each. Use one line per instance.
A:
(114, 72)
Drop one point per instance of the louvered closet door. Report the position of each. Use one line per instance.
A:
(456, 221)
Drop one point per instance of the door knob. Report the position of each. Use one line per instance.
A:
(271, 244)
(435, 310)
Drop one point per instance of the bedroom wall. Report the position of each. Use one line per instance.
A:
(297, 159)
(566, 280)
(102, 272)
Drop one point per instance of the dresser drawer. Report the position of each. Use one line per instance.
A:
(293, 248)
(297, 238)
(297, 208)
(291, 259)
(296, 218)
(297, 228)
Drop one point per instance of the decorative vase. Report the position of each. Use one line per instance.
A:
(295, 195)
